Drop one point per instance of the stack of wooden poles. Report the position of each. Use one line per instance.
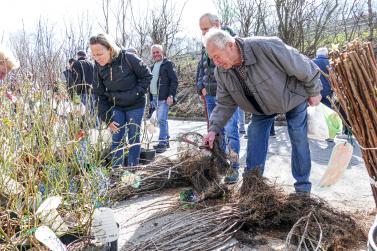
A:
(353, 76)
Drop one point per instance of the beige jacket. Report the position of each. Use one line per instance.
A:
(279, 77)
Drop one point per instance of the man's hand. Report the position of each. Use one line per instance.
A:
(314, 101)
(113, 126)
(204, 93)
(209, 139)
(169, 100)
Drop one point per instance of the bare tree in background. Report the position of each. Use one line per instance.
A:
(122, 19)
(77, 36)
(23, 48)
(290, 16)
(319, 21)
(39, 53)
(141, 28)
(251, 15)
(348, 20)
(165, 21)
(371, 20)
(106, 15)
(226, 11)
(301, 23)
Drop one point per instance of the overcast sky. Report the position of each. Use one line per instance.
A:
(16, 12)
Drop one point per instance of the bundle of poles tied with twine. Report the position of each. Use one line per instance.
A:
(353, 77)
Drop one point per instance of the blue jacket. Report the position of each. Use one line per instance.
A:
(167, 83)
(122, 83)
(323, 62)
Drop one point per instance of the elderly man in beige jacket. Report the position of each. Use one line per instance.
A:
(264, 76)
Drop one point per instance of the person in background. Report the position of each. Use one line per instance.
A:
(207, 89)
(7, 64)
(241, 121)
(131, 50)
(68, 74)
(322, 61)
(121, 82)
(265, 77)
(83, 84)
(163, 89)
(150, 104)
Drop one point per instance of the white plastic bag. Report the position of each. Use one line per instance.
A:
(317, 125)
(154, 120)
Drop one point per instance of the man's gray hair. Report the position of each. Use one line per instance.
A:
(218, 37)
(157, 46)
(211, 17)
(322, 51)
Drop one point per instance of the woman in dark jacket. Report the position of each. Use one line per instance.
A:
(122, 79)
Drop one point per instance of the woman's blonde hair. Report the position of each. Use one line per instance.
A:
(8, 60)
(105, 40)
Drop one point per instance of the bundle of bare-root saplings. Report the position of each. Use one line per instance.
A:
(307, 222)
(192, 166)
(353, 76)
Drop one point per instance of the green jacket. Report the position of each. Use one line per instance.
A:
(278, 76)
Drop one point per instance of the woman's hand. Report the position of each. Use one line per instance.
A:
(113, 126)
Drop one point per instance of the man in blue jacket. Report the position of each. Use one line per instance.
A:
(206, 88)
(163, 88)
(322, 61)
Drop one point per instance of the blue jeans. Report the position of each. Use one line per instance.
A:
(241, 119)
(230, 134)
(162, 109)
(129, 121)
(259, 131)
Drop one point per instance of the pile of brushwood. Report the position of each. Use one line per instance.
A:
(196, 167)
(308, 222)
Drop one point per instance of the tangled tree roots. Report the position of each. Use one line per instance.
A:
(260, 201)
(312, 221)
(195, 166)
(312, 224)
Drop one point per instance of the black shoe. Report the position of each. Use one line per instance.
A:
(160, 148)
(167, 145)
